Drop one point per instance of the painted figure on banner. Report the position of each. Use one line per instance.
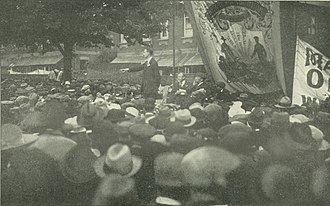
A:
(260, 50)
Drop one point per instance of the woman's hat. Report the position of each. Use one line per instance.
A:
(118, 159)
(285, 103)
(185, 117)
(13, 137)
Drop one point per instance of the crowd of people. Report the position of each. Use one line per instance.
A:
(92, 142)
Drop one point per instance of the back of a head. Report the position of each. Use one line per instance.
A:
(116, 190)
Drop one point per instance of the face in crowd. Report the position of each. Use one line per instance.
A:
(146, 53)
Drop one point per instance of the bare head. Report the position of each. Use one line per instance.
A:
(147, 52)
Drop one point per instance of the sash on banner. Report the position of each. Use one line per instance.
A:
(312, 74)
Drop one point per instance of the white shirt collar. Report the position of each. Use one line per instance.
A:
(148, 60)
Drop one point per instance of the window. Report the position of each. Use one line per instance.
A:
(187, 28)
(312, 28)
(122, 39)
(146, 39)
(83, 64)
(187, 70)
(164, 33)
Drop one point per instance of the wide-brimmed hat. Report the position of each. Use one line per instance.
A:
(118, 159)
(284, 103)
(13, 137)
(77, 165)
(208, 165)
(167, 167)
(185, 117)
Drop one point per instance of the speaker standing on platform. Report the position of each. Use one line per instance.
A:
(151, 76)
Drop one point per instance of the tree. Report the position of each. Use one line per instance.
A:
(62, 24)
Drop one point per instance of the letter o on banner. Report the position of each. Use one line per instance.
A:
(320, 78)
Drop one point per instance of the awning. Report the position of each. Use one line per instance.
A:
(130, 58)
(180, 59)
(41, 60)
(196, 60)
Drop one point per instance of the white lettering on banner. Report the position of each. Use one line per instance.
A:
(311, 75)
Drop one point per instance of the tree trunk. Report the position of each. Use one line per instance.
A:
(68, 55)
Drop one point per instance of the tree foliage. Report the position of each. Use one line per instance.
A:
(61, 24)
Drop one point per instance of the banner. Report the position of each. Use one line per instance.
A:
(236, 45)
(312, 74)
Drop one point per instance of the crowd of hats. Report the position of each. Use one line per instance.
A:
(96, 143)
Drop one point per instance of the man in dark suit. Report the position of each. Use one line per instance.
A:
(197, 91)
(151, 76)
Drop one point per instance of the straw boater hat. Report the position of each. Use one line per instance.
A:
(118, 160)
(185, 117)
(12, 137)
(285, 103)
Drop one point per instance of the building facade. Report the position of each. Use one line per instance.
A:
(187, 57)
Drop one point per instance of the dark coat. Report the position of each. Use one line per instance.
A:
(151, 78)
